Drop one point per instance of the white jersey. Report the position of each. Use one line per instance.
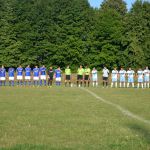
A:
(94, 73)
(114, 74)
(146, 72)
(122, 73)
(105, 72)
(140, 74)
(130, 73)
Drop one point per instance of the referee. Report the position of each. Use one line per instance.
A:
(50, 76)
(68, 76)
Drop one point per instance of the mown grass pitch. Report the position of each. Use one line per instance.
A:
(60, 118)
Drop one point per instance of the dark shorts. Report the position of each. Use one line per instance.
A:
(50, 78)
(105, 78)
(68, 77)
(79, 77)
(86, 77)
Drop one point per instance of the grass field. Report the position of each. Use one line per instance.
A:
(60, 118)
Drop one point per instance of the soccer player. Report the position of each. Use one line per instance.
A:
(122, 76)
(80, 73)
(105, 76)
(114, 77)
(2, 76)
(58, 76)
(94, 77)
(11, 76)
(43, 75)
(87, 74)
(146, 77)
(19, 71)
(140, 78)
(50, 76)
(36, 72)
(68, 76)
(130, 75)
(27, 75)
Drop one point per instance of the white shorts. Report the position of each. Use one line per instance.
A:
(43, 77)
(27, 78)
(35, 78)
(94, 79)
(114, 79)
(11, 78)
(58, 79)
(19, 77)
(2, 78)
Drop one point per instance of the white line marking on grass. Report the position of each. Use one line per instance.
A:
(124, 111)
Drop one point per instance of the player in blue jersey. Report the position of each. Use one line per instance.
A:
(19, 71)
(2, 76)
(58, 76)
(36, 73)
(11, 76)
(42, 75)
(140, 78)
(28, 75)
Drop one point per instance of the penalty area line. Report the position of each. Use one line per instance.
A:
(120, 108)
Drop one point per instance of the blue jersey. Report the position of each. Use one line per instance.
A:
(58, 73)
(27, 71)
(3, 72)
(36, 72)
(19, 71)
(43, 71)
(11, 72)
(0, 72)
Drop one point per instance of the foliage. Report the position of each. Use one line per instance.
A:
(54, 32)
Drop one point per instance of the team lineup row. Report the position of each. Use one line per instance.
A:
(84, 76)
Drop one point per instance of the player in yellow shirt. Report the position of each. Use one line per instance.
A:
(68, 76)
(87, 76)
(80, 73)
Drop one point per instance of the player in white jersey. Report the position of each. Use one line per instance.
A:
(146, 77)
(105, 76)
(130, 75)
(140, 78)
(122, 76)
(94, 77)
(114, 77)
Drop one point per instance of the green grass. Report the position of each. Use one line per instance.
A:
(61, 118)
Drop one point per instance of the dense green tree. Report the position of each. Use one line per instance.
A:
(137, 30)
(54, 32)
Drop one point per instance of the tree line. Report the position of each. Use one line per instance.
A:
(71, 32)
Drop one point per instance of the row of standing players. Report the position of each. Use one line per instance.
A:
(84, 76)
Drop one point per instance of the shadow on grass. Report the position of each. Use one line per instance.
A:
(141, 130)
(33, 147)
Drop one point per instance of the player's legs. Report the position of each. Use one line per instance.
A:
(35, 81)
(3, 79)
(11, 81)
(68, 80)
(86, 80)
(0, 82)
(146, 82)
(105, 81)
(130, 81)
(140, 82)
(122, 82)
